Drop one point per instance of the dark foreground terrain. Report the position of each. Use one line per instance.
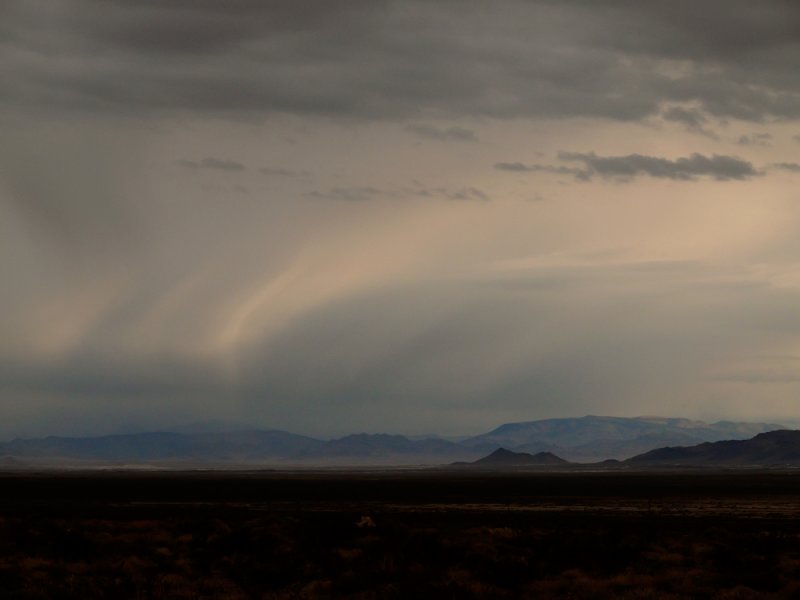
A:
(400, 535)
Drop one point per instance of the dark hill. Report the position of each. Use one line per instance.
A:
(774, 448)
(502, 459)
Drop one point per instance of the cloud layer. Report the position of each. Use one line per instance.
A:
(623, 60)
(719, 167)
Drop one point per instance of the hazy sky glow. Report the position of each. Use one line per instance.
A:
(394, 216)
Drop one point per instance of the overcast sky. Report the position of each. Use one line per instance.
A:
(415, 216)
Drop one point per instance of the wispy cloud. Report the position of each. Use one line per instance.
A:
(719, 167)
(628, 167)
(348, 194)
(365, 193)
(518, 167)
(283, 172)
(786, 166)
(211, 162)
(755, 139)
(440, 134)
(692, 119)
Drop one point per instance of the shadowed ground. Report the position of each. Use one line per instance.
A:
(400, 534)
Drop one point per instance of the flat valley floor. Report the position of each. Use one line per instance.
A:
(400, 534)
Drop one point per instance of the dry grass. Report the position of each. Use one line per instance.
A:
(404, 551)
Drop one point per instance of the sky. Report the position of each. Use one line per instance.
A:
(405, 217)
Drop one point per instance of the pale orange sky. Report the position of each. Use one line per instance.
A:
(355, 221)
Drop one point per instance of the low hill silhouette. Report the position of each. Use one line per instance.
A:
(774, 448)
(502, 459)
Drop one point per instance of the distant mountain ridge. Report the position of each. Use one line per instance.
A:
(585, 439)
(235, 447)
(593, 437)
(241, 445)
(780, 448)
(773, 448)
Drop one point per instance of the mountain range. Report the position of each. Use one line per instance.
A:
(774, 448)
(592, 438)
(585, 439)
(780, 448)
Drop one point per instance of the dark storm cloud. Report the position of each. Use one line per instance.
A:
(719, 167)
(212, 163)
(619, 59)
(449, 134)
